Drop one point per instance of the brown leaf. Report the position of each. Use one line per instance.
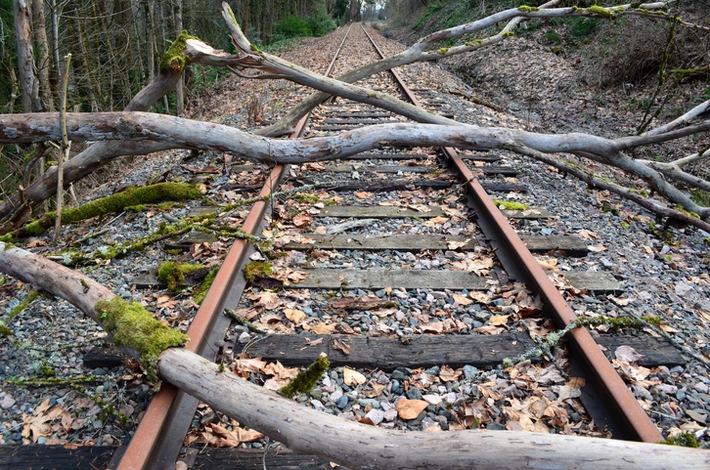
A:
(294, 315)
(322, 328)
(278, 371)
(461, 300)
(302, 220)
(447, 374)
(268, 300)
(352, 377)
(410, 409)
(342, 346)
(499, 320)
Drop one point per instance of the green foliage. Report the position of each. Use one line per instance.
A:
(700, 197)
(8, 58)
(320, 23)
(131, 325)
(293, 26)
(581, 28)
(554, 37)
(428, 13)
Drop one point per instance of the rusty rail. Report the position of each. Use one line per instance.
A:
(159, 436)
(632, 419)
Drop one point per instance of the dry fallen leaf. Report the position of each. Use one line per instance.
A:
(461, 300)
(302, 220)
(294, 315)
(434, 221)
(322, 328)
(342, 346)
(410, 409)
(447, 374)
(499, 320)
(548, 264)
(352, 377)
(627, 353)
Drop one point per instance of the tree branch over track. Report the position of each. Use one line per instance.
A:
(301, 428)
(185, 133)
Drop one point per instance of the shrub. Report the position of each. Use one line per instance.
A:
(292, 26)
(320, 23)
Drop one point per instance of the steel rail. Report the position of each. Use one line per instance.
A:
(633, 420)
(158, 439)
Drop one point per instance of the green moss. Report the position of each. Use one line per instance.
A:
(475, 42)
(600, 11)
(307, 198)
(37, 227)
(24, 304)
(45, 369)
(526, 8)
(700, 197)
(683, 439)
(510, 206)
(173, 274)
(257, 269)
(307, 378)
(173, 59)
(201, 292)
(131, 325)
(115, 203)
(54, 381)
(443, 50)
(508, 34)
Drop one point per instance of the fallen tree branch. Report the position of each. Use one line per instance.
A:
(210, 136)
(307, 430)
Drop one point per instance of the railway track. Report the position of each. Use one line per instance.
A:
(398, 265)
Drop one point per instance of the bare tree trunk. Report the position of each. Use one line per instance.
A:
(44, 64)
(179, 88)
(29, 85)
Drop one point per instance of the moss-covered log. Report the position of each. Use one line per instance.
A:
(129, 323)
(115, 203)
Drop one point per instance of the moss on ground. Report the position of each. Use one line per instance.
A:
(131, 325)
(510, 206)
(307, 378)
(201, 291)
(257, 269)
(173, 274)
